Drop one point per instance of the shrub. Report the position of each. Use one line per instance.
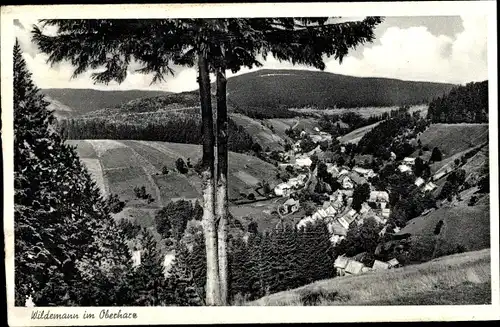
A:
(181, 166)
(251, 197)
(115, 205)
(165, 170)
(436, 155)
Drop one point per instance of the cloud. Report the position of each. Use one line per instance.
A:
(414, 53)
(411, 53)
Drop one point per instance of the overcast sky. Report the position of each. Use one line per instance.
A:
(439, 49)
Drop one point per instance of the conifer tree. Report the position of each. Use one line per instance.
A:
(65, 240)
(182, 281)
(149, 283)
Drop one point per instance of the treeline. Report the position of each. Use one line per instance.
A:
(464, 104)
(175, 128)
(281, 259)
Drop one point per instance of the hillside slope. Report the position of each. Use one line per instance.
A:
(457, 279)
(120, 166)
(463, 228)
(300, 88)
(86, 100)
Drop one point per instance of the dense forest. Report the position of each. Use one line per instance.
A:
(303, 88)
(151, 127)
(463, 104)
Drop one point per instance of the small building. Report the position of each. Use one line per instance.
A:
(322, 213)
(332, 169)
(316, 216)
(393, 156)
(354, 267)
(386, 213)
(380, 265)
(409, 161)
(168, 262)
(367, 173)
(331, 211)
(393, 263)
(378, 196)
(429, 187)
(340, 265)
(342, 221)
(404, 168)
(335, 239)
(282, 189)
(357, 178)
(303, 161)
(136, 258)
(419, 181)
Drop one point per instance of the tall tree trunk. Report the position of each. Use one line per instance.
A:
(208, 184)
(221, 208)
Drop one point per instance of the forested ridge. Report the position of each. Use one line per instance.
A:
(463, 104)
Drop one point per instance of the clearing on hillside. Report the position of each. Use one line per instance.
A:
(260, 132)
(454, 138)
(458, 279)
(356, 135)
(120, 166)
(463, 228)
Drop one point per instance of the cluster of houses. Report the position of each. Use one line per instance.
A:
(407, 167)
(290, 186)
(345, 266)
(337, 211)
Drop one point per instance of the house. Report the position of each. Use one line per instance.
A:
(291, 205)
(342, 149)
(316, 216)
(419, 181)
(429, 187)
(136, 258)
(342, 221)
(303, 161)
(322, 213)
(316, 129)
(334, 239)
(366, 173)
(354, 267)
(380, 265)
(303, 134)
(168, 262)
(409, 161)
(331, 211)
(393, 156)
(404, 168)
(393, 263)
(332, 169)
(304, 221)
(282, 189)
(340, 265)
(378, 196)
(337, 228)
(386, 213)
(364, 208)
(343, 172)
(326, 204)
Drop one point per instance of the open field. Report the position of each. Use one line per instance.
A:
(464, 227)
(457, 279)
(120, 166)
(259, 132)
(356, 135)
(454, 138)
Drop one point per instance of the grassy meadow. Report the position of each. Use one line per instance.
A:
(458, 279)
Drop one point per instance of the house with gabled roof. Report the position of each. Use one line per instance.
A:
(409, 161)
(419, 181)
(331, 211)
(429, 187)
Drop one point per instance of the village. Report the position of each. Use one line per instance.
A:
(337, 212)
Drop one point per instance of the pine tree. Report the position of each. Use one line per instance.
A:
(64, 236)
(182, 281)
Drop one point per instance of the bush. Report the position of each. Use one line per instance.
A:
(436, 155)
(251, 197)
(181, 166)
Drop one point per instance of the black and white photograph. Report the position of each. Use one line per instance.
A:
(259, 159)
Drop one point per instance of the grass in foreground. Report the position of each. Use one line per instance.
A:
(459, 279)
